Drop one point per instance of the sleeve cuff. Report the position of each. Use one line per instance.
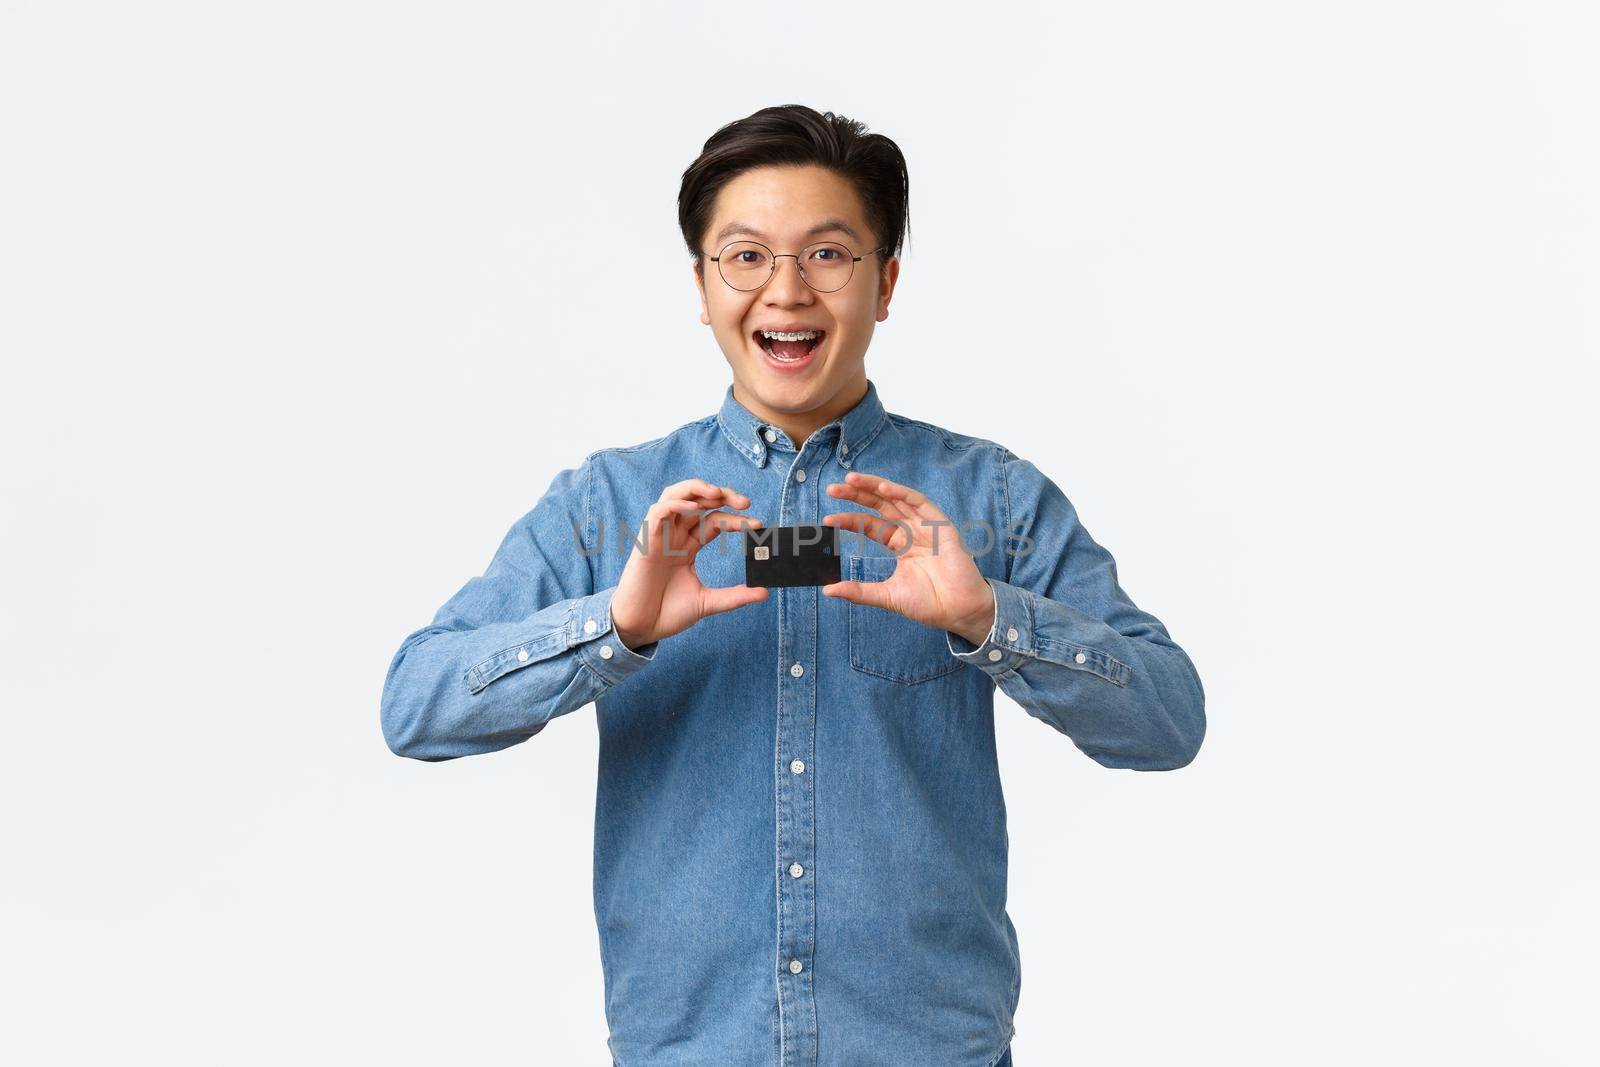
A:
(1030, 627)
(592, 629)
(1009, 640)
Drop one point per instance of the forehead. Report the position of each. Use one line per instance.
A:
(788, 203)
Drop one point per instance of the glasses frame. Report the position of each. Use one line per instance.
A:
(772, 272)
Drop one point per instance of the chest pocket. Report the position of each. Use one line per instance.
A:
(888, 645)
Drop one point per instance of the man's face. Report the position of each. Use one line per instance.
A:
(781, 207)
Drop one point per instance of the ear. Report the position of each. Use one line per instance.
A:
(700, 285)
(886, 286)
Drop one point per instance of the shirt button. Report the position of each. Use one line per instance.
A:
(795, 870)
(605, 651)
(994, 653)
(522, 655)
(794, 966)
(798, 766)
(797, 670)
(770, 435)
(1011, 634)
(844, 448)
(1079, 658)
(800, 475)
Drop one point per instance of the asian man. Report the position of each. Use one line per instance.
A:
(800, 838)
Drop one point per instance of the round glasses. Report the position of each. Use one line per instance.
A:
(825, 266)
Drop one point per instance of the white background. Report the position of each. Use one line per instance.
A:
(1295, 301)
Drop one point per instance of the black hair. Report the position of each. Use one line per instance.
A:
(795, 135)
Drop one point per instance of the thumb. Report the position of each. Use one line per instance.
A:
(718, 599)
(871, 594)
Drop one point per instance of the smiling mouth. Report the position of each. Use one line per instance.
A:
(788, 351)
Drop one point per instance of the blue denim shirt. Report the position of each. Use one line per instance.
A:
(800, 838)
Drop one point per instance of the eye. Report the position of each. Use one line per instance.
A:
(748, 255)
(826, 255)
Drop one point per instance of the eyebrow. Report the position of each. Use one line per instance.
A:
(825, 226)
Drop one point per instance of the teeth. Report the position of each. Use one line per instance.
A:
(802, 335)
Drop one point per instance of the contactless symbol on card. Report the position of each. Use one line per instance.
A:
(791, 555)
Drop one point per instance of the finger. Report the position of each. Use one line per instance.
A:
(871, 594)
(903, 494)
(715, 523)
(689, 510)
(700, 489)
(718, 599)
(708, 503)
(869, 499)
(665, 516)
(685, 514)
(884, 531)
(666, 509)
(691, 487)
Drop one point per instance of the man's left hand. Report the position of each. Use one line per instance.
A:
(942, 588)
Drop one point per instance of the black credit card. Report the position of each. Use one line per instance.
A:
(791, 555)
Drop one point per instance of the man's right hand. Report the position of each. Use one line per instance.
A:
(659, 593)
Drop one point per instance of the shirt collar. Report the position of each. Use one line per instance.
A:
(749, 434)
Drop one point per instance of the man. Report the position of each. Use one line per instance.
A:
(800, 842)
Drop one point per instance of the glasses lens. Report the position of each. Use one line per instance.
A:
(745, 265)
(827, 266)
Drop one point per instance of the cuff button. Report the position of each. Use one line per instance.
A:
(994, 654)
(605, 651)
(1079, 658)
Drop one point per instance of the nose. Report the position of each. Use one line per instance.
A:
(786, 286)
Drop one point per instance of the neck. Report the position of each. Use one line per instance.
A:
(800, 425)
